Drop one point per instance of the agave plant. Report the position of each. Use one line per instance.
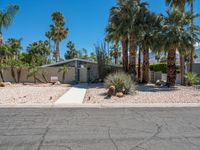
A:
(192, 78)
(121, 81)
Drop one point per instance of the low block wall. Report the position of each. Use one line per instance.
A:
(51, 71)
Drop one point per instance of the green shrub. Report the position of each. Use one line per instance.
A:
(121, 81)
(159, 67)
(162, 67)
(2, 84)
(192, 78)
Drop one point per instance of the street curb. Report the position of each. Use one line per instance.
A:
(158, 105)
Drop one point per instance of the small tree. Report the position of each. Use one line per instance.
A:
(101, 55)
(33, 71)
(64, 69)
(44, 74)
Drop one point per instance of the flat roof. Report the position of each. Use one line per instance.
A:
(75, 59)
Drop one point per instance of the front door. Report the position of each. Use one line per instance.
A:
(83, 75)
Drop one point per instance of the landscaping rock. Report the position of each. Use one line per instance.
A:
(120, 94)
(158, 83)
(57, 83)
(111, 91)
(2, 84)
(7, 83)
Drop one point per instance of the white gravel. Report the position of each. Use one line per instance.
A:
(31, 93)
(96, 93)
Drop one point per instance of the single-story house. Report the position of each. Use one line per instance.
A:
(84, 70)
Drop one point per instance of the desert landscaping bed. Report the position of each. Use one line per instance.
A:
(31, 93)
(96, 93)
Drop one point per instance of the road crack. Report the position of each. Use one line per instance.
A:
(158, 130)
(43, 137)
(112, 140)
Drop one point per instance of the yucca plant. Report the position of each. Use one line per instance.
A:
(192, 78)
(121, 81)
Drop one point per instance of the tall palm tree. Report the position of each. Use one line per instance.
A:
(6, 18)
(58, 18)
(58, 32)
(135, 11)
(117, 30)
(180, 4)
(149, 26)
(176, 31)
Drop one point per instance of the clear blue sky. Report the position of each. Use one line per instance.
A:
(86, 19)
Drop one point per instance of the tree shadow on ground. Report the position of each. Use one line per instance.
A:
(154, 88)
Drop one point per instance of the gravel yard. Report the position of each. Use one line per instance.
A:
(96, 93)
(31, 93)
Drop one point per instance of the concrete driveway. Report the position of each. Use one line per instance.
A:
(100, 129)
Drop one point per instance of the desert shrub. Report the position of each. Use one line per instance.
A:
(192, 78)
(162, 67)
(121, 81)
(2, 84)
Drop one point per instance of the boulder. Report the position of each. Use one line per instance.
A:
(158, 83)
(119, 94)
(2, 84)
(57, 83)
(111, 91)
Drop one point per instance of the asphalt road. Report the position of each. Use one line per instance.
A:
(100, 129)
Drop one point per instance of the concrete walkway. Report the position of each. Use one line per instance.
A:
(74, 96)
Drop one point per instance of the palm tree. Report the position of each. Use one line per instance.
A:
(149, 26)
(64, 69)
(6, 18)
(58, 32)
(136, 12)
(180, 4)
(176, 31)
(72, 52)
(115, 52)
(117, 30)
(38, 52)
(14, 46)
(58, 18)
(33, 71)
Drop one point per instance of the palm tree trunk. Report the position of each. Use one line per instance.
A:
(171, 67)
(125, 53)
(57, 52)
(13, 74)
(182, 67)
(132, 65)
(19, 71)
(44, 77)
(115, 60)
(191, 61)
(145, 69)
(1, 74)
(192, 22)
(63, 77)
(37, 79)
(1, 39)
(139, 65)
